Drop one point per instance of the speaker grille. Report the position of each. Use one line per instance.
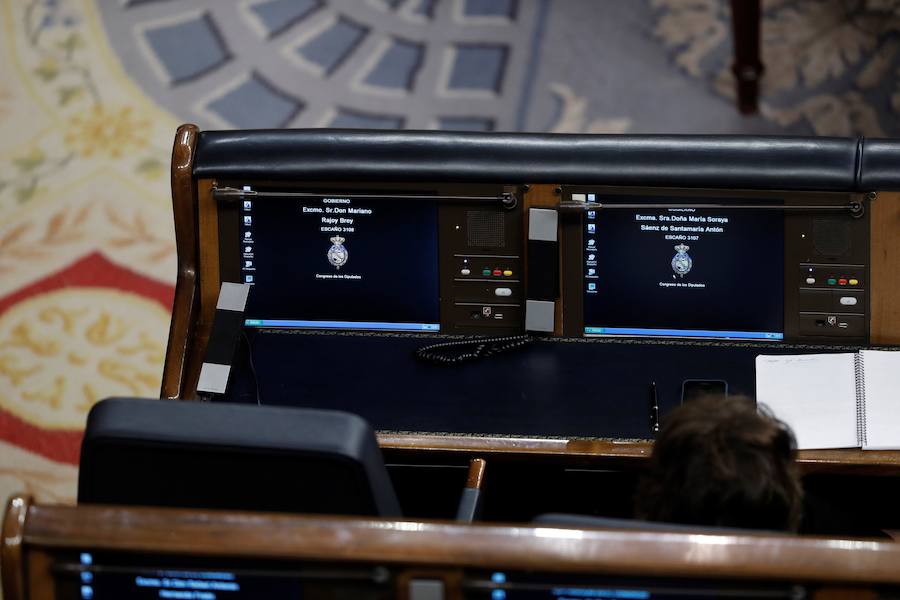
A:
(485, 229)
(831, 237)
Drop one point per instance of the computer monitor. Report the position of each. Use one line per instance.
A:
(510, 585)
(664, 268)
(339, 261)
(87, 574)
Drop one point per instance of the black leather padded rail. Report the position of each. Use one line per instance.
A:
(879, 164)
(743, 162)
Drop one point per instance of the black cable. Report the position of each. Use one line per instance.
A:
(460, 351)
(252, 366)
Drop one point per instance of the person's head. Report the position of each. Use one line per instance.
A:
(718, 461)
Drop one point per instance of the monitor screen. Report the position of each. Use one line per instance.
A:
(104, 576)
(175, 584)
(338, 262)
(682, 271)
(501, 585)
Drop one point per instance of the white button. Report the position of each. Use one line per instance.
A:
(503, 292)
(465, 272)
(848, 300)
(810, 280)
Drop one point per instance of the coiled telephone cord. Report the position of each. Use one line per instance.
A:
(460, 351)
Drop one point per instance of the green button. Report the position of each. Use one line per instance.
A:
(486, 272)
(832, 281)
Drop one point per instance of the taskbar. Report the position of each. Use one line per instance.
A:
(685, 333)
(357, 325)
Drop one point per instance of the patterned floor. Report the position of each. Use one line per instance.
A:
(92, 91)
(347, 63)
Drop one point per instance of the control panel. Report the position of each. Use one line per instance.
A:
(832, 300)
(482, 269)
(827, 272)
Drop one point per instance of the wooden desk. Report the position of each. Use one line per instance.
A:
(198, 284)
(623, 454)
(37, 540)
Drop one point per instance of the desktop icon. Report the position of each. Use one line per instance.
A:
(592, 271)
(592, 287)
(592, 242)
(592, 214)
(592, 228)
(248, 279)
(248, 204)
(592, 257)
(246, 235)
(248, 264)
(248, 249)
(592, 197)
(248, 220)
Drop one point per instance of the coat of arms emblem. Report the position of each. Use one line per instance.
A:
(337, 254)
(681, 262)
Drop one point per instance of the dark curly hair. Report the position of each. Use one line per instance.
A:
(721, 462)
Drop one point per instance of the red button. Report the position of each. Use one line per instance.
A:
(842, 281)
(498, 272)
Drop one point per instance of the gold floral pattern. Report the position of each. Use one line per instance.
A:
(133, 231)
(83, 163)
(112, 132)
(62, 58)
(62, 351)
(17, 245)
(116, 228)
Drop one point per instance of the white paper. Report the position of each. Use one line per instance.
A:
(815, 394)
(882, 385)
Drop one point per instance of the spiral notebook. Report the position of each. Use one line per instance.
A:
(849, 400)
